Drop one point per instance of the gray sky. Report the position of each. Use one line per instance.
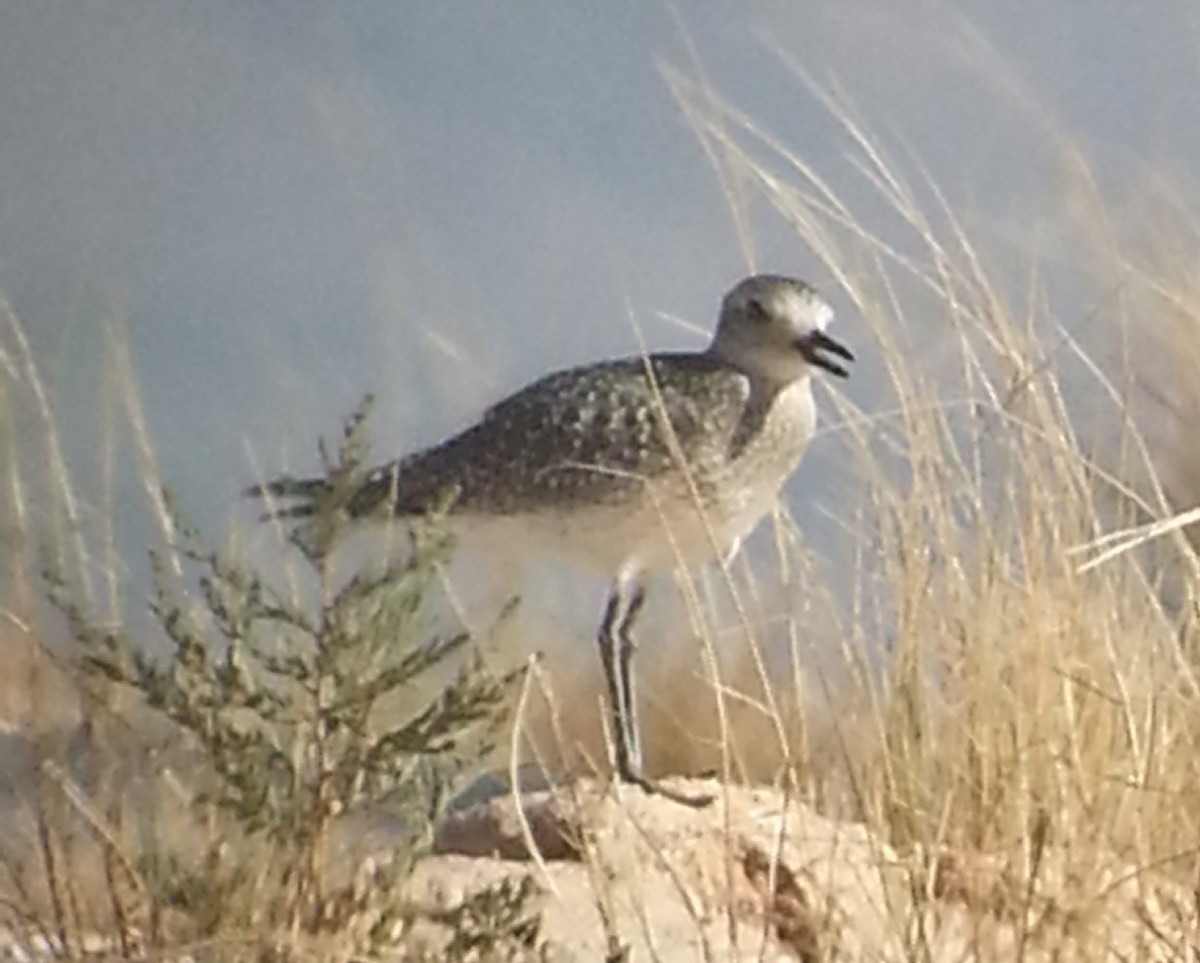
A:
(297, 202)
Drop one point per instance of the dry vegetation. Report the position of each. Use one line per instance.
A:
(1008, 672)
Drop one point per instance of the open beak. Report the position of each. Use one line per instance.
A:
(816, 348)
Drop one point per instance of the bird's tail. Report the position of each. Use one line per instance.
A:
(303, 494)
(291, 498)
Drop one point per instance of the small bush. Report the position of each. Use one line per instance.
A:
(302, 711)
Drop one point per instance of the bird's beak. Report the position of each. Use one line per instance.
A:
(816, 346)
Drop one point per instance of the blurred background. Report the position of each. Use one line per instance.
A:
(283, 206)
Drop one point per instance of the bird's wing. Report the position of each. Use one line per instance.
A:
(577, 436)
(589, 434)
(581, 435)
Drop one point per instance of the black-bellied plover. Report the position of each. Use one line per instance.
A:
(630, 467)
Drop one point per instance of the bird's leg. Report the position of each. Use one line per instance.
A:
(609, 657)
(616, 657)
(625, 650)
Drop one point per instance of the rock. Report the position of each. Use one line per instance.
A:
(751, 877)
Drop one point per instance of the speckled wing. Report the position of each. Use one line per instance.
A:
(580, 436)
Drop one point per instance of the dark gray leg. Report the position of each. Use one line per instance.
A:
(625, 650)
(609, 659)
(616, 658)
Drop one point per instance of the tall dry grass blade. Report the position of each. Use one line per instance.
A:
(737, 199)
(125, 377)
(1130, 539)
(60, 477)
(109, 444)
(15, 509)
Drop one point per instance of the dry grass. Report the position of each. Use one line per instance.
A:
(1003, 684)
(1013, 667)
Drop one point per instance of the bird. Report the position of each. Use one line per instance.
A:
(631, 467)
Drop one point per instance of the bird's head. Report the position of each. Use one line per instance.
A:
(774, 327)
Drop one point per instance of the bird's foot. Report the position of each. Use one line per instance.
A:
(636, 778)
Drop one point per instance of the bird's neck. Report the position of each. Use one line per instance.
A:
(766, 389)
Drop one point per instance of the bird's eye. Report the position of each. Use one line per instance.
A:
(756, 310)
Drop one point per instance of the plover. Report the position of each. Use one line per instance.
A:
(628, 467)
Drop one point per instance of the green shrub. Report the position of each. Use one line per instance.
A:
(302, 711)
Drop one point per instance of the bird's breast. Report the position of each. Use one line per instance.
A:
(730, 485)
(744, 488)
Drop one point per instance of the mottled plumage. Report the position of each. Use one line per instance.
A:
(578, 437)
(630, 466)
